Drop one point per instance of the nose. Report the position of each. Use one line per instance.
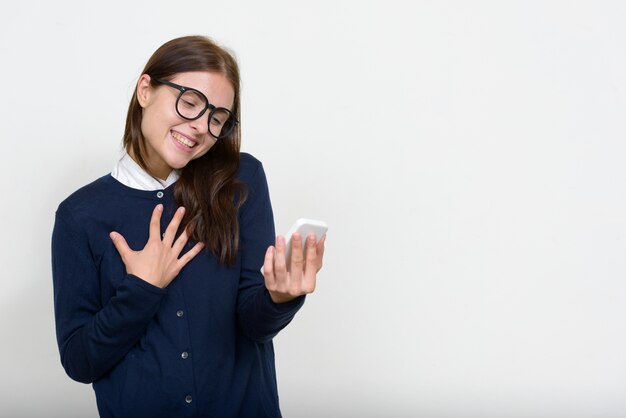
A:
(201, 125)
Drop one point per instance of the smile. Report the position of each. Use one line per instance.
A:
(183, 140)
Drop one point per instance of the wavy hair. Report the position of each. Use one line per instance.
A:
(207, 187)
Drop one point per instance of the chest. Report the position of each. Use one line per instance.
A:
(203, 285)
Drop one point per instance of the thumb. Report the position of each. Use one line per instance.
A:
(120, 244)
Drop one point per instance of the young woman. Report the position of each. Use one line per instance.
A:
(159, 298)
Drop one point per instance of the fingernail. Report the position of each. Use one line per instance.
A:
(296, 236)
(160, 207)
(112, 235)
(181, 209)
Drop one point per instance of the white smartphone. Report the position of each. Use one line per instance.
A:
(305, 227)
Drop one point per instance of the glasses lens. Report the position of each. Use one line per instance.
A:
(191, 104)
(221, 123)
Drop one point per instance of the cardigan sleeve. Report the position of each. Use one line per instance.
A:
(259, 317)
(94, 336)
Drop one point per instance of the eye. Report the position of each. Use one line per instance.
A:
(188, 104)
(220, 117)
(191, 100)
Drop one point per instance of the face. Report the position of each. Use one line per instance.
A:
(171, 141)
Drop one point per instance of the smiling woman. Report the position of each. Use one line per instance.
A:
(156, 133)
(182, 323)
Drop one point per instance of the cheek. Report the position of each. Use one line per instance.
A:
(145, 127)
(152, 126)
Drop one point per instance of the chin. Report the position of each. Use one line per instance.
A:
(178, 164)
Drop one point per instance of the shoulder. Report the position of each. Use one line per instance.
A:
(248, 163)
(89, 197)
(250, 169)
(251, 173)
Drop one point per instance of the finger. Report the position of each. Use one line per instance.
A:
(268, 269)
(189, 255)
(180, 242)
(172, 228)
(155, 222)
(310, 268)
(320, 252)
(311, 253)
(120, 245)
(280, 265)
(297, 257)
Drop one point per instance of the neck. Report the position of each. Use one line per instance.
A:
(161, 173)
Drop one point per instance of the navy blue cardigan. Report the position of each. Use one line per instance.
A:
(202, 347)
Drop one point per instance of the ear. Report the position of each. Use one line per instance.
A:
(144, 90)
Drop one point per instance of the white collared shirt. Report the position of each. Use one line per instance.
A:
(130, 174)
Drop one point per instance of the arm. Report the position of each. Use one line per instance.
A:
(94, 335)
(260, 318)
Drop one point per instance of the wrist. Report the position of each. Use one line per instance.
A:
(144, 277)
(280, 297)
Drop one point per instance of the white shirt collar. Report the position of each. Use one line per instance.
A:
(130, 174)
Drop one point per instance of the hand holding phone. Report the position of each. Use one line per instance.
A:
(283, 283)
(304, 227)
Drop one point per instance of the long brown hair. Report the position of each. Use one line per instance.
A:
(207, 187)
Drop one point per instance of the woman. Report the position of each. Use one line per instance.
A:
(159, 300)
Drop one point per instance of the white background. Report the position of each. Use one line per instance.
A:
(468, 157)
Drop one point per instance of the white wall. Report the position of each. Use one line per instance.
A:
(468, 157)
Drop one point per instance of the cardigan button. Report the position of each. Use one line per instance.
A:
(159, 194)
(180, 313)
(188, 398)
(184, 355)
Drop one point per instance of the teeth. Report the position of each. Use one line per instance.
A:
(183, 140)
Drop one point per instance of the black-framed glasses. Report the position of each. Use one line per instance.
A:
(191, 104)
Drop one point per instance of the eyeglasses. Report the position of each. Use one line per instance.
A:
(191, 105)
